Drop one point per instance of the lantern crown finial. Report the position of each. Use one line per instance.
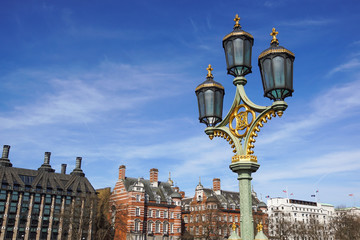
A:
(274, 39)
(236, 20)
(259, 227)
(209, 69)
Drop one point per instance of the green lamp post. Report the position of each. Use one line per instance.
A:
(241, 125)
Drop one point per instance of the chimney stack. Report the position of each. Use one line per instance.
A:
(4, 160)
(182, 194)
(77, 170)
(154, 177)
(216, 184)
(46, 165)
(5, 153)
(63, 168)
(47, 158)
(122, 169)
(78, 162)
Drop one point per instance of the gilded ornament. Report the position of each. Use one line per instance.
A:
(209, 68)
(244, 158)
(242, 121)
(236, 20)
(259, 227)
(273, 34)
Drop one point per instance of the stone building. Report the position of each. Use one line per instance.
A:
(43, 204)
(153, 207)
(286, 215)
(212, 212)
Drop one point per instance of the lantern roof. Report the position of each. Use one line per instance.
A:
(274, 47)
(237, 30)
(209, 82)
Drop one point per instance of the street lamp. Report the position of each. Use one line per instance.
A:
(244, 119)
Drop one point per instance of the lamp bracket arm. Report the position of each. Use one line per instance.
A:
(224, 132)
(242, 94)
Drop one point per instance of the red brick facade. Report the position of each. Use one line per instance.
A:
(153, 207)
(211, 213)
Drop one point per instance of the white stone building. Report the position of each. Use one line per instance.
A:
(285, 210)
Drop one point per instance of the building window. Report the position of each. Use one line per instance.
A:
(138, 198)
(150, 225)
(165, 227)
(178, 216)
(157, 227)
(137, 225)
(172, 215)
(171, 227)
(186, 219)
(137, 211)
(150, 213)
(165, 214)
(157, 213)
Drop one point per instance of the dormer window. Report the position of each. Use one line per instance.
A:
(158, 199)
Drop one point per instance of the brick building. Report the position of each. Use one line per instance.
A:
(211, 212)
(153, 207)
(42, 204)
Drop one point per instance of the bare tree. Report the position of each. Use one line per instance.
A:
(345, 226)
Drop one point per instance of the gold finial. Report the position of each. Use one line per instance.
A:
(259, 227)
(233, 226)
(236, 20)
(209, 68)
(273, 34)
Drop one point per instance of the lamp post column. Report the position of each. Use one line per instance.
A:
(244, 171)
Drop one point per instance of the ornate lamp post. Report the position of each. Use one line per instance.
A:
(244, 119)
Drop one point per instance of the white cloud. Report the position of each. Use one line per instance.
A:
(353, 63)
(308, 22)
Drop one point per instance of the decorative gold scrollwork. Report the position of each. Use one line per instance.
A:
(259, 124)
(242, 158)
(225, 136)
(242, 120)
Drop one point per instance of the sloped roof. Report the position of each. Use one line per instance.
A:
(164, 189)
(40, 179)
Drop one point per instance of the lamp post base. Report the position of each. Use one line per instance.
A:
(244, 169)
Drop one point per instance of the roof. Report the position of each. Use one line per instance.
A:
(164, 189)
(43, 180)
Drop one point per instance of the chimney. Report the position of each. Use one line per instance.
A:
(216, 185)
(46, 165)
(4, 160)
(182, 194)
(5, 153)
(63, 168)
(47, 158)
(122, 169)
(78, 162)
(77, 170)
(154, 177)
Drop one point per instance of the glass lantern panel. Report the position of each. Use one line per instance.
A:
(239, 51)
(268, 74)
(209, 103)
(247, 53)
(229, 54)
(279, 71)
(218, 103)
(201, 104)
(289, 74)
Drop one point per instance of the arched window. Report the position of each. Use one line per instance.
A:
(165, 227)
(157, 226)
(150, 226)
(137, 225)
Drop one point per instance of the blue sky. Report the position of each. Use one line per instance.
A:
(113, 82)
